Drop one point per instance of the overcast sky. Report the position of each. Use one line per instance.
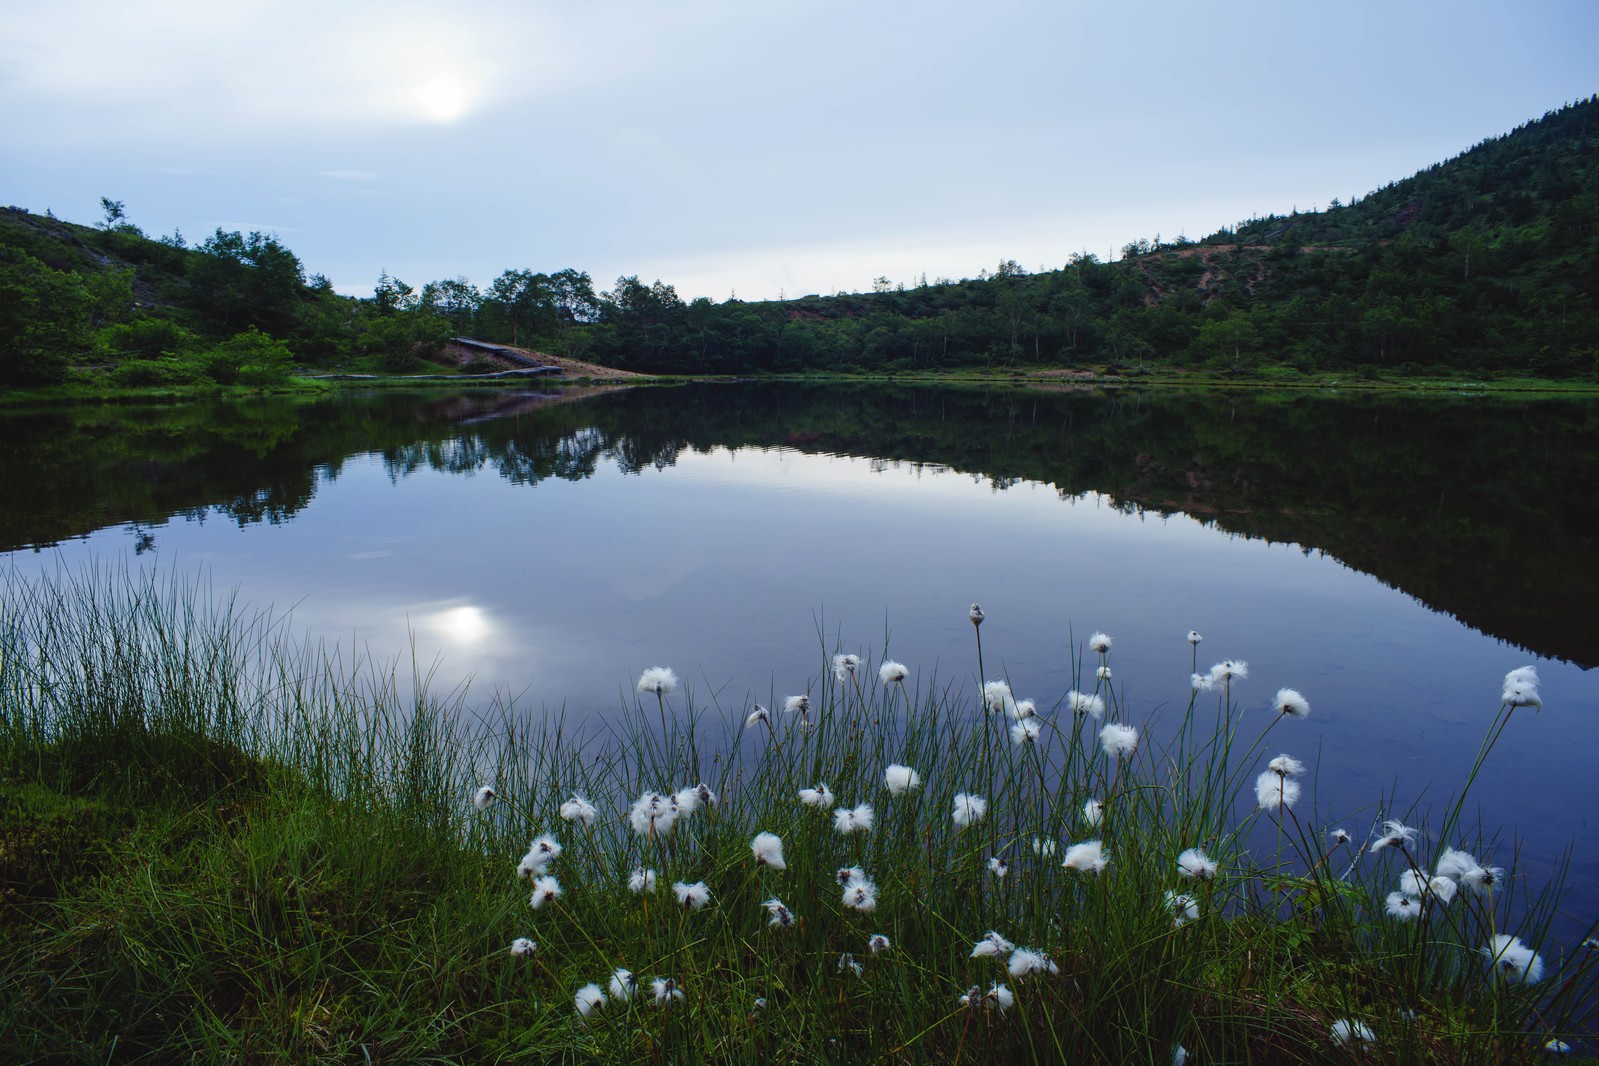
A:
(757, 146)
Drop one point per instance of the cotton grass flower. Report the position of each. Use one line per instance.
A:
(1402, 907)
(1557, 1047)
(844, 667)
(1454, 864)
(1483, 880)
(768, 850)
(848, 820)
(483, 797)
(1085, 703)
(1286, 766)
(1196, 864)
(545, 890)
(1346, 1032)
(757, 716)
(623, 984)
(652, 814)
(1395, 834)
(657, 681)
(690, 800)
(778, 915)
(530, 866)
(1103, 673)
(641, 880)
(892, 672)
(877, 943)
(800, 705)
(664, 992)
(1184, 908)
(522, 947)
(1290, 704)
(992, 945)
(1273, 791)
(968, 809)
(1044, 849)
(976, 615)
(1023, 709)
(1089, 857)
(1025, 731)
(860, 895)
(589, 999)
(1521, 688)
(692, 897)
(998, 866)
(1100, 643)
(901, 779)
(1024, 962)
(1093, 812)
(539, 855)
(998, 997)
(577, 809)
(1514, 961)
(1339, 836)
(849, 964)
(1119, 741)
(1228, 670)
(849, 874)
(1194, 638)
(820, 796)
(1442, 889)
(997, 696)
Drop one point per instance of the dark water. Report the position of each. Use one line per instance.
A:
(1390, 558)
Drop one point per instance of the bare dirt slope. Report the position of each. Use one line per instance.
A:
(571, 368)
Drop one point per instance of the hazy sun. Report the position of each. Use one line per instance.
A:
(442, 99)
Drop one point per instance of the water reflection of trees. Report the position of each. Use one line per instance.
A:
(1479, 508)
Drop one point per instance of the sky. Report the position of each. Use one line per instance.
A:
(759, 149)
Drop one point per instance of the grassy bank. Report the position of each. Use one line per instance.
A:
(223, 843)
(90, 390)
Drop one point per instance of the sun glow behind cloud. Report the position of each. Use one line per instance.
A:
(290, 64)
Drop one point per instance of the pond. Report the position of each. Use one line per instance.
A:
(1390, 558)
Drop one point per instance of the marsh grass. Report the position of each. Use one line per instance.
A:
(223, 843)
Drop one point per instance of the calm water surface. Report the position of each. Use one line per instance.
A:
(1391, 559)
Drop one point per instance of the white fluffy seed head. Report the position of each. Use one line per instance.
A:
(768, 850)
(657, 681)
(968, 809)
(1290, 704)
(901, 779)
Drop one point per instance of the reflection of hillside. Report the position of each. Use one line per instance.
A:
(1478, 508)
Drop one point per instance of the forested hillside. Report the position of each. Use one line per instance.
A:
(1485, 264)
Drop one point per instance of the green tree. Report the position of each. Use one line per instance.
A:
(44, 319)
(115, 213)
(526, 300)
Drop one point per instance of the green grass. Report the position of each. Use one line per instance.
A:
(221, 843)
